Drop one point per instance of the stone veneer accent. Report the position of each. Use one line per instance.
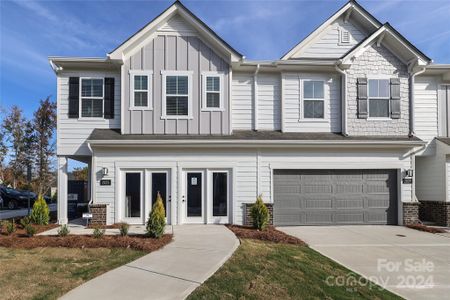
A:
(410, 213)
(435, 211)
(98, 214)
(376, 61)
(248, 221)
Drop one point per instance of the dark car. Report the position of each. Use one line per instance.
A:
(13, 198)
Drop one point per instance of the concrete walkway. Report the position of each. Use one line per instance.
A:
(411, 263)
(170, 273)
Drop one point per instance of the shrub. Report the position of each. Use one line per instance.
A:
(98, 232)
(40, 214)
(123, 227)
(25, 221)
(30, 230)
(260, 214)
(10, 227)
(63, 230)
(157, 219)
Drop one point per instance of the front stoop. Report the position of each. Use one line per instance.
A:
(435, 211)
(410, 213)
(98, 214)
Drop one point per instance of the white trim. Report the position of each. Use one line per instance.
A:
(302, 102)
(149, 74)
(80, 98)
(205, 75)
(166, 73)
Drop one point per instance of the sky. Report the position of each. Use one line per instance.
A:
(30, 31)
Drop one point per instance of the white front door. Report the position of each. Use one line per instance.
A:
(193, 198)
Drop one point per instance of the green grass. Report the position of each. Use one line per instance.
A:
(264, 270)
(48, 273)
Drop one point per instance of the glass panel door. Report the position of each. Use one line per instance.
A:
(159, 185)
(194, 197)
(133, 197)
(219, 195)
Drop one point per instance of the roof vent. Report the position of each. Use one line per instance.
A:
(344, 37)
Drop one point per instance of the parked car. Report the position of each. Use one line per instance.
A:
(13, 198)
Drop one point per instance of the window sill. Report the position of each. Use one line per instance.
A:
(140, 108)
(313, 121)
(213, 109)
(87, 119)
(176, 118)
(378, 119)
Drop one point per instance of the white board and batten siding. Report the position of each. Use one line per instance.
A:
(293, 100)
(253, 169)
(73, 132)
(327, 45)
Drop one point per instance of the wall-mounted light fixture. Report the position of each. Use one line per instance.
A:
(105, 171)
(409, 173)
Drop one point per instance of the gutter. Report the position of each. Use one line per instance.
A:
(411, 100)
(255, 97)
(344, 99)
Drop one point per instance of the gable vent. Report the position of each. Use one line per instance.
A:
(345, 37)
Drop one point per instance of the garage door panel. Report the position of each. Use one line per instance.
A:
(325, 197)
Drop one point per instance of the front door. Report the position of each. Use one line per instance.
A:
(218, 196)
(193, 199)
(159, 183)
(133, 210)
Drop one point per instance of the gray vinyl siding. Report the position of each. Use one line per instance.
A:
(72, 133)
(327, 45)
(170, 52)
(269, 101)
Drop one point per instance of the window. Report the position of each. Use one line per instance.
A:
(379, 96)
(212, 91)
(132, 195)
(91, 97)
(344, 36)
(140, 83)
(313, 99)
(177, 88)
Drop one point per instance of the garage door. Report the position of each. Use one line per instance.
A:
(327, 197)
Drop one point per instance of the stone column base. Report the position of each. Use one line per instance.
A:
(410, 213)
(248, 220)
(98, 212)
(435, 211)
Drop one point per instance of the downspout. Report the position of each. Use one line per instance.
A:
(255, 98)
(92, 182)
(411, 100)
(344, 100)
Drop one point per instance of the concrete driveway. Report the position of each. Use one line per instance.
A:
(410, 263)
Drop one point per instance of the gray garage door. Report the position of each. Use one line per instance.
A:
(326, 197)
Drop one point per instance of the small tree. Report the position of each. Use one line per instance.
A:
(157, 219)
(40, 214)
(260, 214)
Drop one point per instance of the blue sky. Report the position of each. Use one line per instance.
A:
(30, 31)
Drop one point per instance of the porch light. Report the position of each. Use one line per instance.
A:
(409, 173)
(105, 171)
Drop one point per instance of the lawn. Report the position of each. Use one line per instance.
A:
(266, 270)
(48, 273)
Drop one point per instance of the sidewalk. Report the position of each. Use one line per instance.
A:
(170, 273)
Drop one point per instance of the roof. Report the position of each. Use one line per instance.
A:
(172, 9)
(352, 4)
(104, 136)
(444, 140)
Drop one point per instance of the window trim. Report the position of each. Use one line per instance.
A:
(205, 75)
(379, 98)
(149, 74)
(166, 73)
(303, 99)
(80, 99)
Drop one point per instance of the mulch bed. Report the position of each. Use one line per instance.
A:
(141, 243)
(426, 228)
(269, 234)
(20, 232)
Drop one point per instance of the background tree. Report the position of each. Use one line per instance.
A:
(80, 173)
(44, 123)
(3, 153)
(14, 130)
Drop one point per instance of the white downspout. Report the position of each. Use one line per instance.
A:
(255, 97)
(411, 100)
(344, 100)
(92, 179)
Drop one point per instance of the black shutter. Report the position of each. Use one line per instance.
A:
(395, 98)
(109, 98)
(74, 97)
(362, 98)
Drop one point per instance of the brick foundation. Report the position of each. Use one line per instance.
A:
(248, 218)
(410, 213)
(435, 211)
(98, 214)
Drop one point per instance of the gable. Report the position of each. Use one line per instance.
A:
(329, 45)
(176, 24)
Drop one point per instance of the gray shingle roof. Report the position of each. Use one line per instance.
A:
(445, 140)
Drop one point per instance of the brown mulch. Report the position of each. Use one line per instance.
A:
(113, 226)
(141, 243)
(426, 228)
(20, 232)
(269, 234)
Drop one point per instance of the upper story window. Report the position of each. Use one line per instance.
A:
(212, 91)
(313, 99)
(91, 97)
(379, 98)
(177, 90)
(140, 89)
